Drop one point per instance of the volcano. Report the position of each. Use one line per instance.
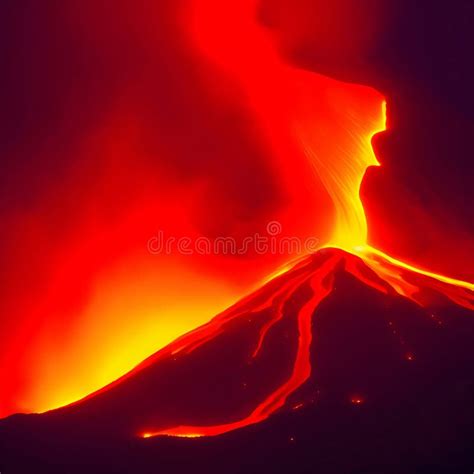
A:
(363, 363)
(209, 119)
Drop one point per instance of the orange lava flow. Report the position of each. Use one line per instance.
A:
(394, 272)
(321, 286)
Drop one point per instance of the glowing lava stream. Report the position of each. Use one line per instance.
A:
(321, 287)
(341, 174)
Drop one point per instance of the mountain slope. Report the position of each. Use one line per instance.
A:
(324, 342)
